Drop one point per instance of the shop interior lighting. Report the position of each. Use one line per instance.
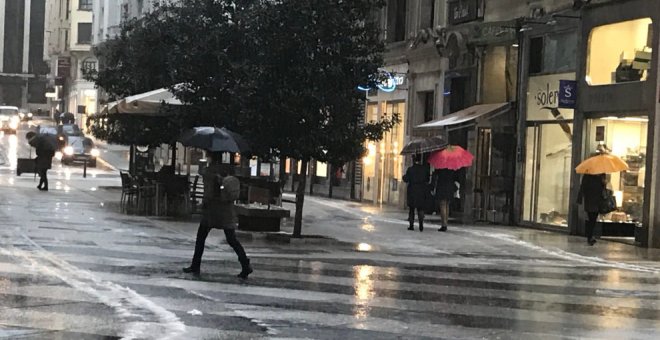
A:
(628, 119)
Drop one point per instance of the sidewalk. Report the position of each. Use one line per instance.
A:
(112, 156)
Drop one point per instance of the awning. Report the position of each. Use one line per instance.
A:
(465, 115)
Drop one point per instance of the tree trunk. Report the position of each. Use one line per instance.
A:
(331, 179)
(352, 174)
(312, 172)
(294, 174)
(300, 199)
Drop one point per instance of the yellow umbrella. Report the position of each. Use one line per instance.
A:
(601, 164)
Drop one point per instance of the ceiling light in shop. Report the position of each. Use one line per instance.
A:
(628, 119)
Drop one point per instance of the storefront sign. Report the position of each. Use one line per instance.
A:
(389, 84)
(461, 11)
(63, 67)
(567, 94)
(543, 97)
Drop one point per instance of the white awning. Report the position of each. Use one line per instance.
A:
(465, 115)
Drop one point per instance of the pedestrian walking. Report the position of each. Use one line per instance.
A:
(220, 191)
(591, 194)
(44, 160)
(444, 185)
(417, 178)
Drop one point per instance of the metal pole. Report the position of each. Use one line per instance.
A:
(85, 169)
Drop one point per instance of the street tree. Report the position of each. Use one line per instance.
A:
(311, 56)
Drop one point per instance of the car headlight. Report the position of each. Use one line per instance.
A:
(21, 114)
(13, 124)
(95, 152)
(29, 114)
(68, 150)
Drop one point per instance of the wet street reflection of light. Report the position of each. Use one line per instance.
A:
(12, 152)
(364, 290)
(367, 227)
(364, 247)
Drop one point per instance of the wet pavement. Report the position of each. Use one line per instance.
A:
(73, 267)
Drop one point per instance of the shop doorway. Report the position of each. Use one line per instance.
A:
(625, 137)
(547, 173)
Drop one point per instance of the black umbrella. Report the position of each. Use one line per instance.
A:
(424, 145)
(44, 141)
(214, 139)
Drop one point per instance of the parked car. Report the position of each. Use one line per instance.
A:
(77, 147)
(25, 115)
(9, 119)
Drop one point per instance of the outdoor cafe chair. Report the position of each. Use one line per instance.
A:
(129, 192)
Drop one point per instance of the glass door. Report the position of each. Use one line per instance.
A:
(547, 173)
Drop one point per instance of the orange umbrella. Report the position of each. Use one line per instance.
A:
(601, 164)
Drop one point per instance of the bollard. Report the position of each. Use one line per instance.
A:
(85, 169)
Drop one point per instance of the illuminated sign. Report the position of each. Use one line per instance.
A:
(388, 84)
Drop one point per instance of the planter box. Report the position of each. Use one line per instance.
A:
(253, 218)
(621, 229)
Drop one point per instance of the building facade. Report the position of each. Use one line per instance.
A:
(22, 70)
(69, 53)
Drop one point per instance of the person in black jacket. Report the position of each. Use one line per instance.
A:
(445, 188)
(591, 193)
(417, 177)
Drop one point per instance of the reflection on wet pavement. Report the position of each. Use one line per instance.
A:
(72, 267)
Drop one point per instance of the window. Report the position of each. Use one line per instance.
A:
(68, 5)
(555, 53)
(619, 52)
(429, 102)
(85, 5)
(84, 33)
(396, 20)
(427, 14)
(66, 40)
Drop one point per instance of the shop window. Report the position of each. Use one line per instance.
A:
(321, 169)
(396, 20)
(536, 55)
(619, 52)
(625, 137)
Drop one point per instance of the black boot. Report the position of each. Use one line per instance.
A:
(191, 269)
(421, 225)
(246, 269)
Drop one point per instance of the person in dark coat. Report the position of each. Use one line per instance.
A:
(417, 178)
(591, 194)
(445, 188)
(220, 192)
(44, 159)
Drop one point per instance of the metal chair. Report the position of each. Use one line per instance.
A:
(129, 191)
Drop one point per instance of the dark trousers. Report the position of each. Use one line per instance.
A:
(420, 215)
(43, 178)
(230, 235)
(591, 224)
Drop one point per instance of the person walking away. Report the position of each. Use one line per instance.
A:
(42, 163)
(591, 194)
(417, 178)
(220, 192)
(445, 189)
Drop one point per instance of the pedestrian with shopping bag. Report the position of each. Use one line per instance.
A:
(221, 189)
(593, 194)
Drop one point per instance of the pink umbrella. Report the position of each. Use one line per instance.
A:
(453, 157)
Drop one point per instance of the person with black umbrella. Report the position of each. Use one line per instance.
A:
(45, 152)
(417, 178)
